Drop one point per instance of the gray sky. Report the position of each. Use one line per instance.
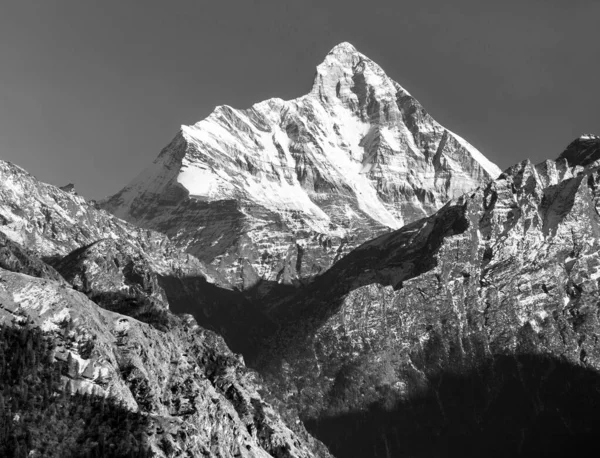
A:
(90, 91)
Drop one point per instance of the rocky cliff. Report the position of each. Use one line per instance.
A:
(51, 223)
(443, 330)
(280, 191)
(103, 310)
(394, 298)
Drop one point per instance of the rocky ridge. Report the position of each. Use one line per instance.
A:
(510, 270)
(280, 191)
(422, 341)
(51, 223)
(198, 396)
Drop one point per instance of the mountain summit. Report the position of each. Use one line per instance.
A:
(280, 191)
(583, 150)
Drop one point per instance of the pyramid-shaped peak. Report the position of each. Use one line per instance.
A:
(343, 48)
(344, 53)
(335, 75)
(354, 155)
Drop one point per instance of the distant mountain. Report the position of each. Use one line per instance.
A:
(282, 190)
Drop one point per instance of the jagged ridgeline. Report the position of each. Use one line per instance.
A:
(392, 290)
(279, 192)
(472, 332)
(95, 364)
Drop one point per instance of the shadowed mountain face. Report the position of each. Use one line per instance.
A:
(15, 258)
(583, 151)
(281, 191)
(509, 270)
(507, 406)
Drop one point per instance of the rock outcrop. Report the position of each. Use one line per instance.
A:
(280, 191)
(15, 258)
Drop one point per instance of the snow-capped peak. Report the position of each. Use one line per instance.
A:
(356, 156)
(343, 48)
(345, 68)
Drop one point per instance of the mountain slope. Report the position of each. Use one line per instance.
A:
(185, 379)
(51, 223)
(190, 394)
(282, 190)
(422, 318)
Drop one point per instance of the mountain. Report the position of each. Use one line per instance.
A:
(280, 191)
(471, 332)
(198, 396)
(93, 361)
(52, 223)
(391, 292)
(583, 151)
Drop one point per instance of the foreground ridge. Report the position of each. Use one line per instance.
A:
(93, 361)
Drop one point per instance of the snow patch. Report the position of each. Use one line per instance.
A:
(492, 169)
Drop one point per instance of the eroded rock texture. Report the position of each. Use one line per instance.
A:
(201, 398)
(470, 332)
(485, 302)
(198, 396)
(51, 223)
(280, 191)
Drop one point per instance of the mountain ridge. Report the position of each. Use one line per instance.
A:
(96, 288)
(509, 270)
(384, 288)
(280, 191)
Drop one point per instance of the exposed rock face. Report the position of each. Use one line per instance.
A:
(70, 188)
(583, 151)
(511, 269)
(282, 190)
(52, 223)
(199, 396)
(15, 258)
(119, 277)
(186, 379)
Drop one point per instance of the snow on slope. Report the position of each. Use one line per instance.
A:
(358, 151)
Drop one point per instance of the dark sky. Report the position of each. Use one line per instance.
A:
(90, 91)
